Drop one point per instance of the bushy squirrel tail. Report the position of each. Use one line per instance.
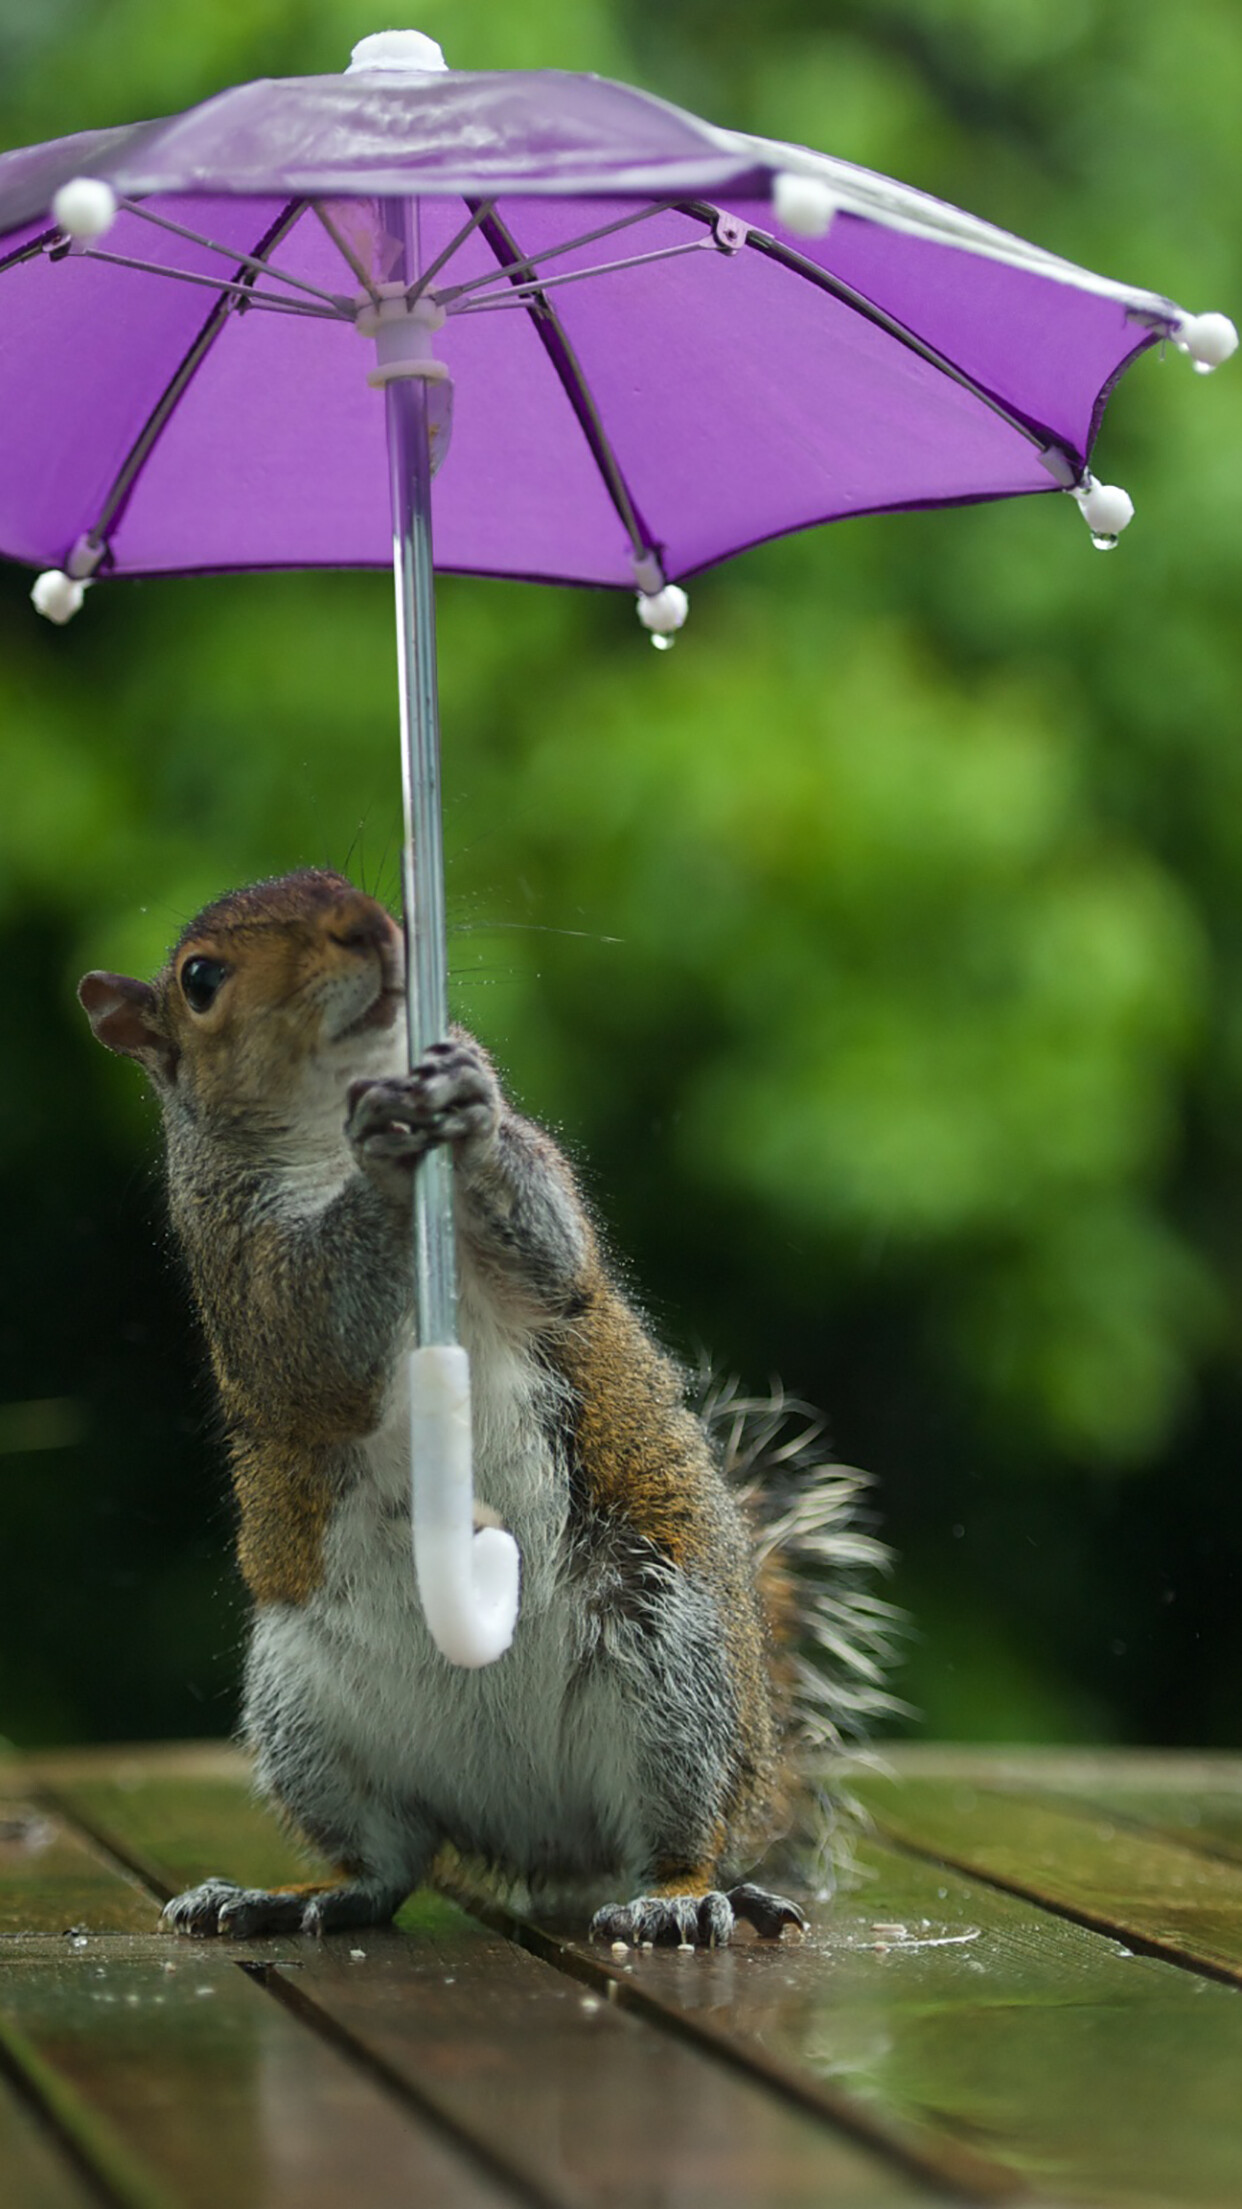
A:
(834, 1639)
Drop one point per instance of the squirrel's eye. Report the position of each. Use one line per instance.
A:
(200, 979)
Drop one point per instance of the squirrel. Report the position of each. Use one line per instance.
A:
(643, 1728)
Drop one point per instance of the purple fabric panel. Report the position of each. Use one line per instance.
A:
(85, 349)
(1046, 348)
(743, 401)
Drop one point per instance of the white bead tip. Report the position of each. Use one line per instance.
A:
(406, 50)
(85, 207)
(663, 612)
(1208, 338)
(1107, 509)
(802, 204)
(57, 596)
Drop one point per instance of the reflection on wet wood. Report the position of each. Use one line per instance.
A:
(183, 2083)
(967, 2019)
(36, 2173)
(1109, 1874)
(590, 2105)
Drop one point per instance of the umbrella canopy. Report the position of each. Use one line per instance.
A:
(651, 362)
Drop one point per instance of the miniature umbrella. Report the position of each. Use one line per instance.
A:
(653, 343)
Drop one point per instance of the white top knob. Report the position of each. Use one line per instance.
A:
(407, 50)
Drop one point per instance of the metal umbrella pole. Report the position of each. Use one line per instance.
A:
(467, 1582)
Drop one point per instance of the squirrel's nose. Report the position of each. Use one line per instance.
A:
(363, 931)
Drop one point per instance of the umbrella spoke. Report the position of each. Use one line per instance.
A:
(478, 215)
(239, 259)
(347, 253)
(529, 262)
(521, 292)
(244, 294)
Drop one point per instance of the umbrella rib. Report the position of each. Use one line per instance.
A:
(135, 459)
(1056, 454)
(550, 332)
(31, 251)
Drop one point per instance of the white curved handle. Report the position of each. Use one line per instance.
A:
(467, 1582)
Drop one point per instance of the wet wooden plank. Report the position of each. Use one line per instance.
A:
(1195, 1798)
(969, 2020)
(183, 2083)
(52, 1877)
(597, 2106)
(36, 2171)
(1140, 1886)
(177, 1814)
(1007, 2048)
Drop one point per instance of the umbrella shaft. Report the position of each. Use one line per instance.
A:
(435, 1254)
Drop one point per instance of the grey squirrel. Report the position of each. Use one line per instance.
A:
(645, 1725)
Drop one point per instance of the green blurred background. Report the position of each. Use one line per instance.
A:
(878, 952)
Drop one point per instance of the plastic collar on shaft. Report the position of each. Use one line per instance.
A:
(403, 331)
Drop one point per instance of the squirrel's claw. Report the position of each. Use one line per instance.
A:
(451, 1096)
(768, 1913)
(696, 1921)
(221, 1906)
(677, 1921)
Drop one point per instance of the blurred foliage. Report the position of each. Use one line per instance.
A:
(877, 952)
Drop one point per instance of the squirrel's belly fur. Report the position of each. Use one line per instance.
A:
(536, 1764)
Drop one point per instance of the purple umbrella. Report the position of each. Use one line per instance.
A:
(652, 342)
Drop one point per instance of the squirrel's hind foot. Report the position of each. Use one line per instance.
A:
(695, 1921)
(221, 1906)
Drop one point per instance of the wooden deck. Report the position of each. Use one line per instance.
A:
(1031, 1995)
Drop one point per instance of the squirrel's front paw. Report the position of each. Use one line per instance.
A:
(452, 1096)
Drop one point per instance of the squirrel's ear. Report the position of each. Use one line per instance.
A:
(123, 1014)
